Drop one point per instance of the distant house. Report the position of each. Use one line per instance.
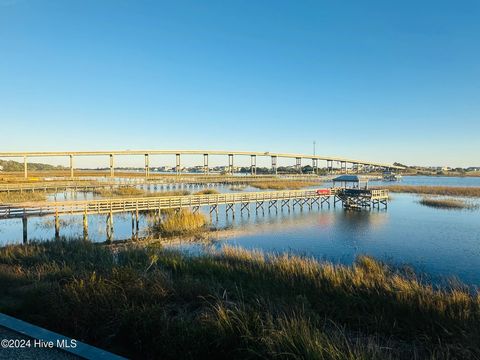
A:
(1, 167)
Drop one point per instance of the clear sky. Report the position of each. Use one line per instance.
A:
(376, 80)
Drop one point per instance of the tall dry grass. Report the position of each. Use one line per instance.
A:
(282, 185)
(233, 303)
(207, 192)
(182, 222)
(18, 197)
(436, 190)
(130, 191)
(446, 203)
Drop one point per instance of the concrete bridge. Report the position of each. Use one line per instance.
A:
(71, 155)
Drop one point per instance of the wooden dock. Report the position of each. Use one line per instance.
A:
(261, 200)
(166, 182)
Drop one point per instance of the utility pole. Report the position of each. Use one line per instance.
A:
(314, 143)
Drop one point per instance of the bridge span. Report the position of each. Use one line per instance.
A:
(205, 153)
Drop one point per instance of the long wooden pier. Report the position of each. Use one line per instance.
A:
(159, 182)
(260, 200)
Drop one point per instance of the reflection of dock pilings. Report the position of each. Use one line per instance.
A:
(271, 200)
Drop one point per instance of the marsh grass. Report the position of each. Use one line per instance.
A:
(122, 191)
(207, 192)
(176, 223)
(282, 185)
(436, 190)
(151, 302)
(18, 197)
(455, 204)
(130, 191)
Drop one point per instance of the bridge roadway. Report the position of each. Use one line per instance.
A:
(206, 153)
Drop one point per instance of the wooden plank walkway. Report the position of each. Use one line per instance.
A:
(265, 199)
(122, 205)
(168, 181)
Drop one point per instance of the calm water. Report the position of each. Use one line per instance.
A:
(439, 242)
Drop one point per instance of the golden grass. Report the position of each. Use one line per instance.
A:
(207, 192)
(18, 197)
(233, 303)
(446, 203)
(123, 191)
(282, 184)
(183, 222)
(436, 190)
(130, 191)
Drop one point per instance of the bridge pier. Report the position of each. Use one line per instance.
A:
(112, 166)
(315, 166)
(205, 163)
(177, 164)
(274, 164)
(230, 164)
(25, 167)
(71, 166)
(298, 164)
(253, 166)
(147, 166)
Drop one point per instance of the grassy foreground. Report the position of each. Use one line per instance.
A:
(232, 303)
(436, 190)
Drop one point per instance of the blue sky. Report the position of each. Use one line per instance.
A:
(376, 80)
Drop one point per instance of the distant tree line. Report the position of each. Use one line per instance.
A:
(10, 165)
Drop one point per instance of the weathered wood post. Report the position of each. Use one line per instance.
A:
(109, 227)
(85, 226)
(133, 225)
(25, 229)
(57, 226)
